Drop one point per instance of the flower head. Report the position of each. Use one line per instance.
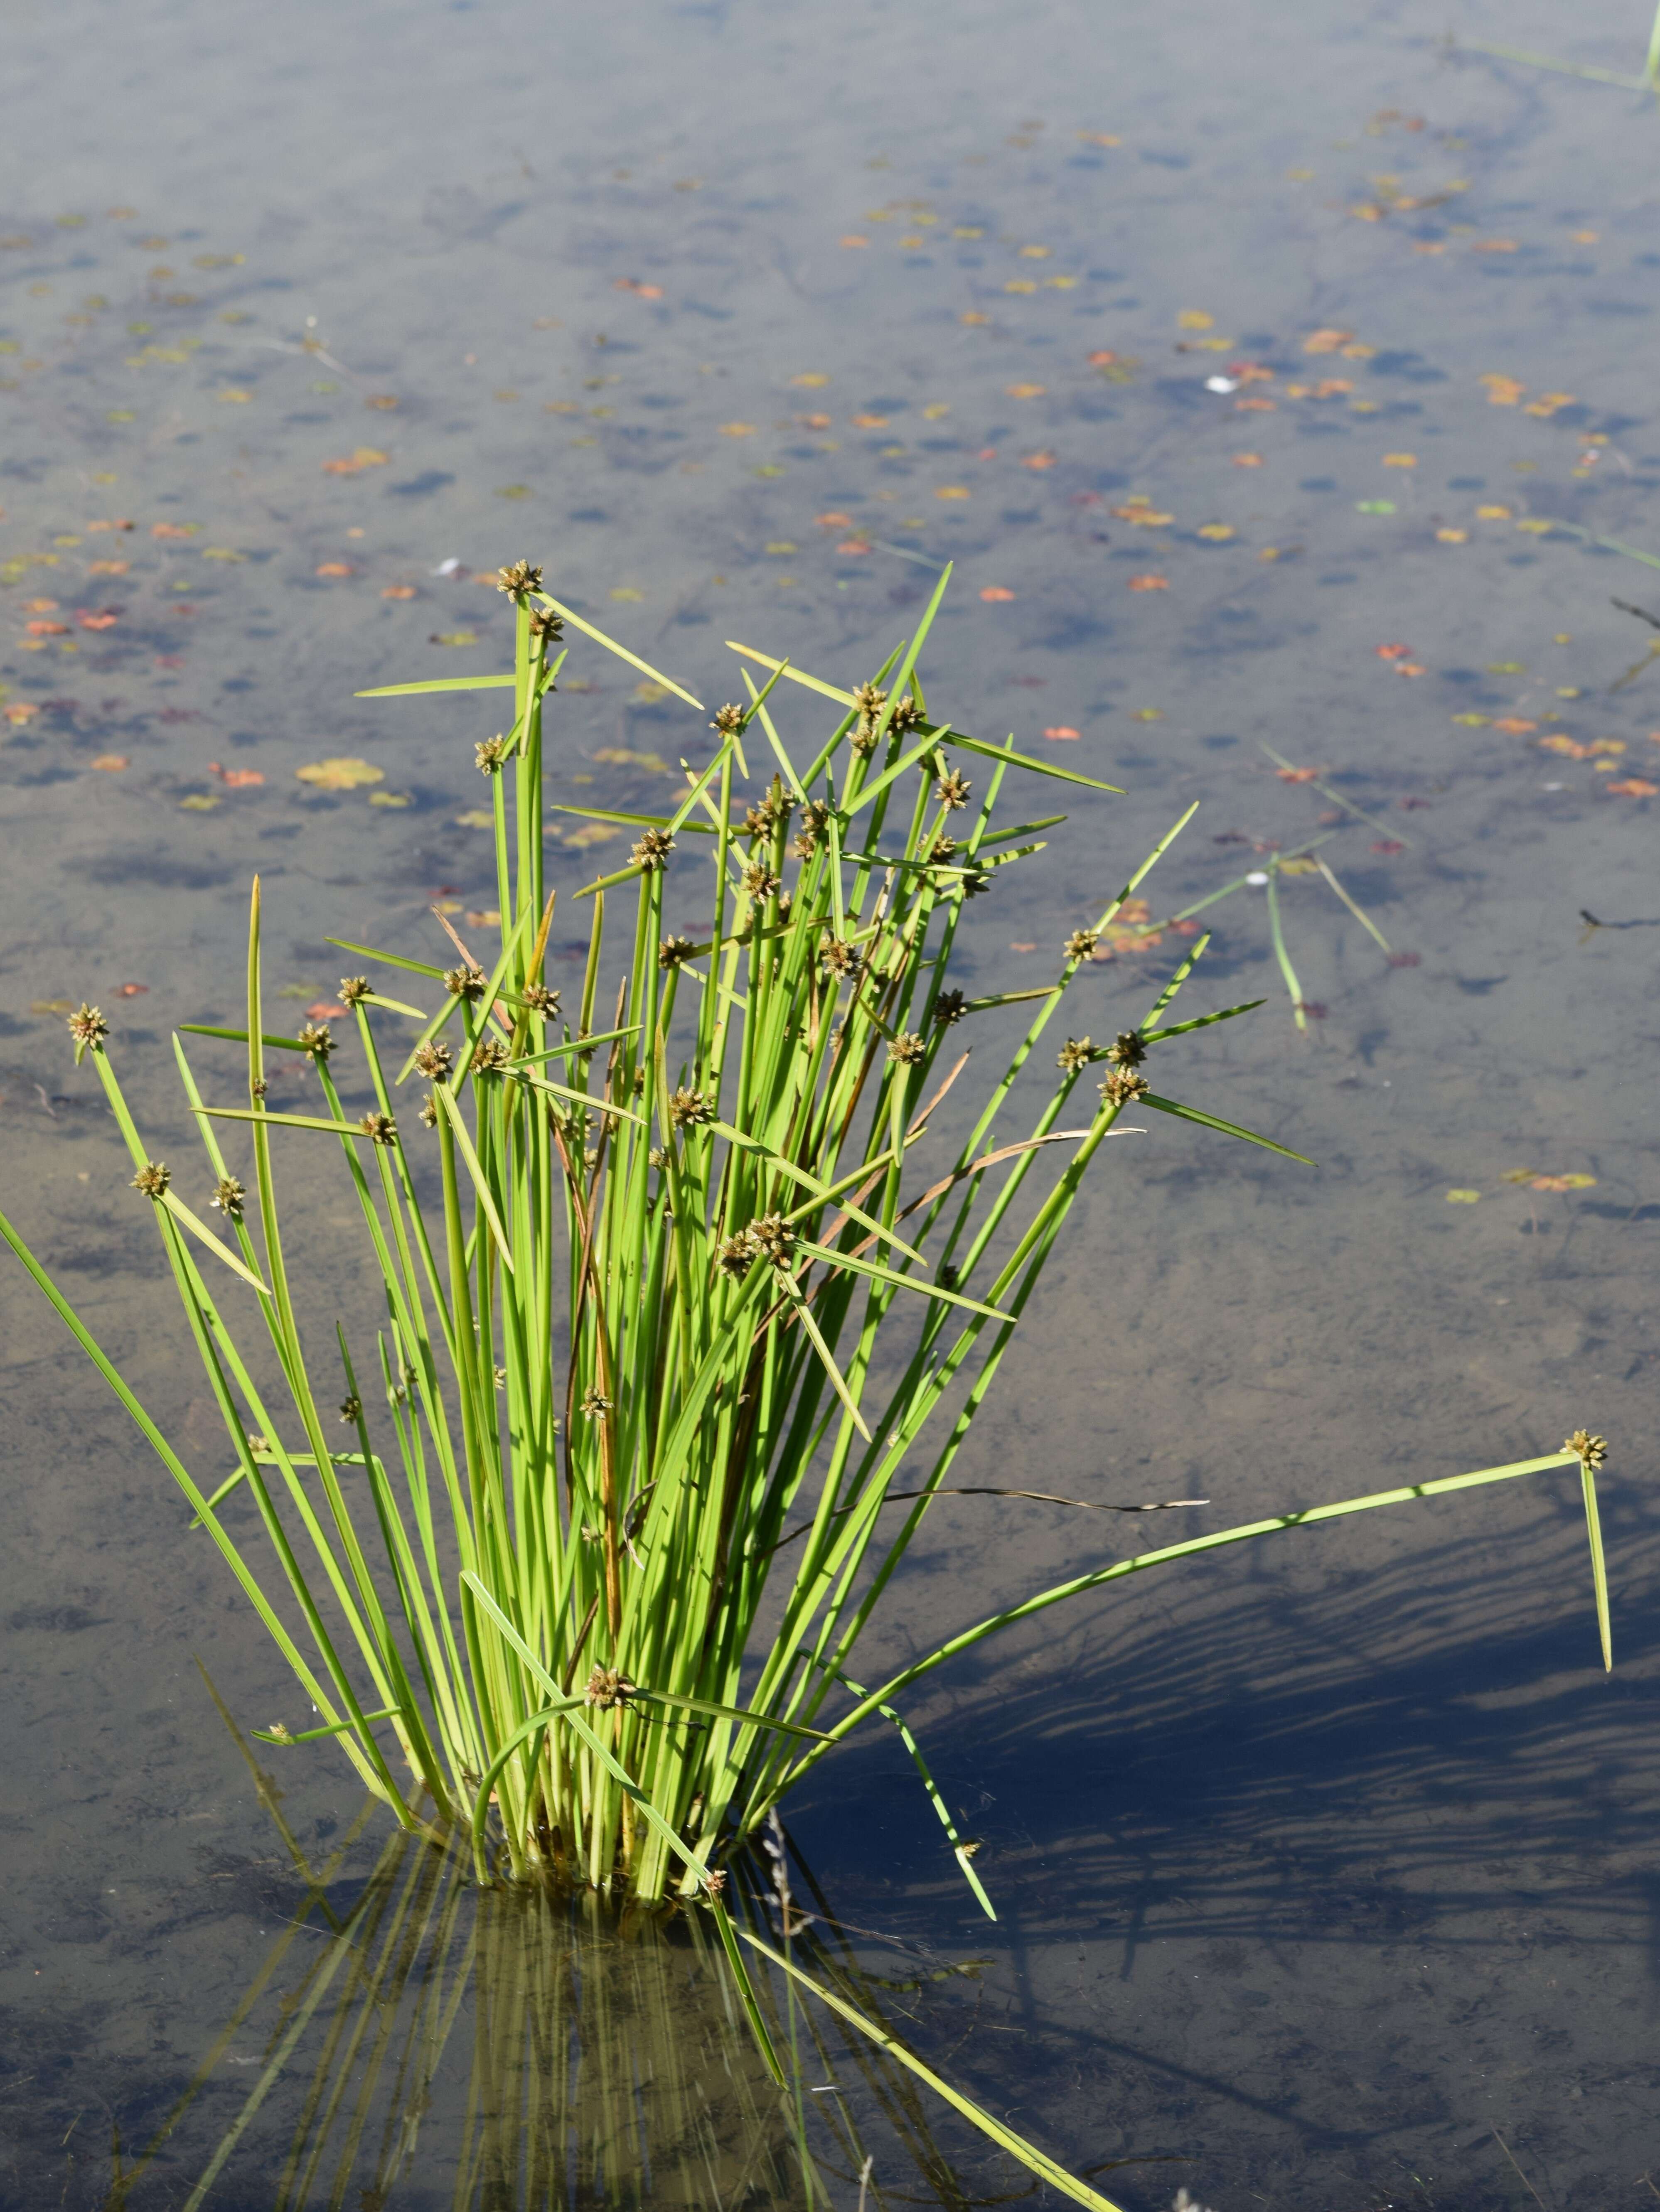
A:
(228, 1196)
(490, 755)
(607, 1687)
(653, 850)
(948, 1008)
(760, 882)
(728, 720)
(952, 790)
(689, 1109)
(1081, 944)
(522, 577)
(1072, 1056)
(733, 1256)
(317, 1038)
(379, 1128)
(88, 1029)
(840, 958)
(433, 1059)
(546, 628)
(490, 1056)
(428, 1115)
(1592, 1449)
(540, 999)
(468, 982)
(770, 1236)
(353, 989)
(153, 1178)
(907, 1050)
(352, 1409)
(1127, 1049)
(594, 1403)
(1122, 1089)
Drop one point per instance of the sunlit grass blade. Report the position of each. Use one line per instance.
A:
(621, 650)
(205, 1237)
(1280, 953)
(440, 683)
(1228, 1128)
(1599, 1565)
(1035, 2161)
(1357, 910)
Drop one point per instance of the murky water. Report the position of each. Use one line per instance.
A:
(1327, 1868)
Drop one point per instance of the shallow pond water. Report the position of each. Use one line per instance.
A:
(1275, 380)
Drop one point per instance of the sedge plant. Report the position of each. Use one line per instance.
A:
(683, 1322)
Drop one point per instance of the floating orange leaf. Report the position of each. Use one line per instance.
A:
(385, 401)
(239, 778)
(1514, 726)
(109, 568)
(1026, 390)
(1326, 341)
(1248, 461)
(1297, 774)
(1502, 391)
(871, 422)
(104, 619)
(1039, 460)
(833, 521)
(399, 591)
(335, 569)
(110, 764)
(952, 491)
(48, 629)
(853, 545)
(1494, 246)
(738, 429)
(1149, 583)
(852, 238)
(1061, 733)
(24, 710)
(996, 591)
(1633, 786)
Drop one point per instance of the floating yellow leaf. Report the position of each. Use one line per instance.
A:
(648, 693)
(974, 319)
(1453, 537)
(811, 379)
(1020, 284)
(342, 773)
(781, 545)
(952, 491)
(1460, 1197)
(453, 637)
(475, 817)
(1194, 319)
(1219, 532)
(738, 429)
(1492, 514)
(200, 802)
(389, 798)
(1026, 390)
(1035, 252)
(512, 491)
(222, 553)
(620, 757)
(51, 1006)
(591, 833)
(1400, 460)
(626, 591)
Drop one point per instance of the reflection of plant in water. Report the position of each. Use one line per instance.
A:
(610, 2064)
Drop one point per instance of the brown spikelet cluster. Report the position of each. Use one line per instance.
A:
(522, 577)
